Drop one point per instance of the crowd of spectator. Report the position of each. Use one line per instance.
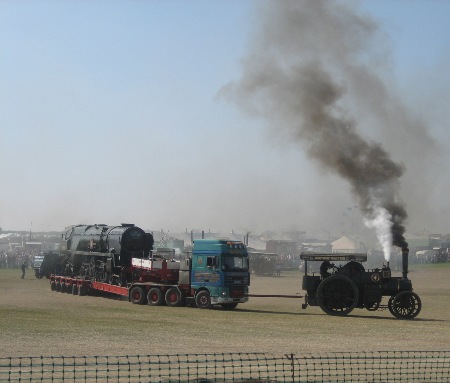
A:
(15, 261)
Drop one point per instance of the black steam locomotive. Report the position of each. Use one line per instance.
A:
(340, 289)
(104, 253)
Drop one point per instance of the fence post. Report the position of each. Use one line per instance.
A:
(292, 368)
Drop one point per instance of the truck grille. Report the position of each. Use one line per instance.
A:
(240, 280)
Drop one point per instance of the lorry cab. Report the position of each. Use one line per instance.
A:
(219, 273)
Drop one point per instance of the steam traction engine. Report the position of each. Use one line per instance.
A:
(339, 289)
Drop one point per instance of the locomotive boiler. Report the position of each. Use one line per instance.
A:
(102, 252)
(340, 289)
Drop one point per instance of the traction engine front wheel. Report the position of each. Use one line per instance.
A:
(405, 305)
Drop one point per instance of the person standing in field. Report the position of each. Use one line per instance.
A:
(23, 267)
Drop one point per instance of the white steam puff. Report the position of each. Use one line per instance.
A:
(382, 223)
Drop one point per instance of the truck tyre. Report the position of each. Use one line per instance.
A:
(174, 297)
(155, 297)
(203, 300)
(137, 295)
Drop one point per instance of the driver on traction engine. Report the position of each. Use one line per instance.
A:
(324, 267)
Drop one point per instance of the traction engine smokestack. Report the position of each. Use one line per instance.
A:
(405, 254)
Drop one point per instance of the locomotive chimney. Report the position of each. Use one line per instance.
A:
(405, 254)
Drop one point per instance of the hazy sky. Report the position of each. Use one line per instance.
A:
(112, 111)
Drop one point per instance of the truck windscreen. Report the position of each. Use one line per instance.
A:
(235, 263)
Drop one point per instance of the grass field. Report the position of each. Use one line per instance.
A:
(35, 321)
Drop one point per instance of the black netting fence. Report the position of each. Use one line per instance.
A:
(380, 366)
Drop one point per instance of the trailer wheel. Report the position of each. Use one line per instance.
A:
(58, 286)
(137, 295)
(337, 295)
(203, 300)
(63, 287)
(74, 289)
(406, 305)
(53, 285)
(82, 291)
(155, 297)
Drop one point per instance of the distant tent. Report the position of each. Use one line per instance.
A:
(347, 244)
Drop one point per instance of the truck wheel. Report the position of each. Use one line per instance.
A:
(203, 300)
(137, 295)
(155, 297)
(174, 297)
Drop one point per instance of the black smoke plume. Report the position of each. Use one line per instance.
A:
(305, 59)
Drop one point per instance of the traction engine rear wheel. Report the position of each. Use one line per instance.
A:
(337, 295)
(137, 295)
(405, 305)
(155, 297)
(174, 297)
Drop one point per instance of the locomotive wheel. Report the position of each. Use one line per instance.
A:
(174, 297)
(155, 297)
(137, 295)
(337, 295)
(203, 300)
(406, 305)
